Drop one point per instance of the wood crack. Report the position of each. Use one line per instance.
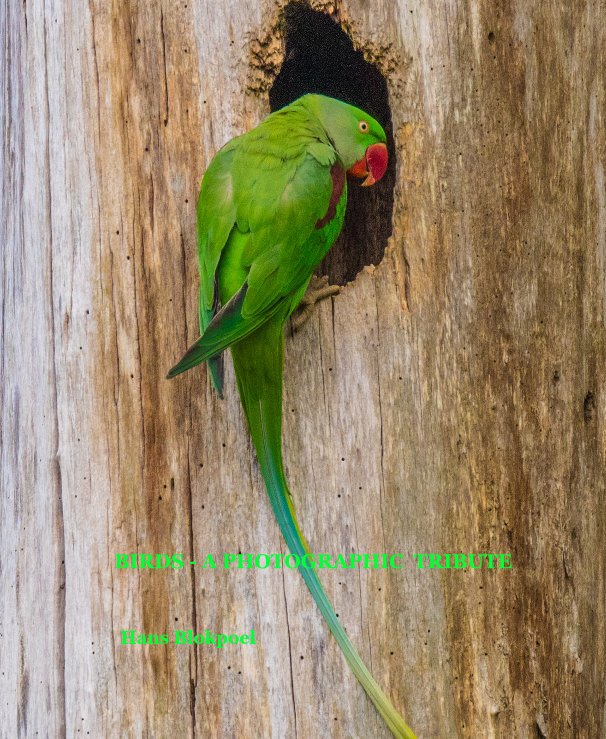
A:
(292, 680)
(58, 512)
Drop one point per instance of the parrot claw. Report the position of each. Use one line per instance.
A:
(317, 290)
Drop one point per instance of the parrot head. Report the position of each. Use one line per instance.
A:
(357, 137)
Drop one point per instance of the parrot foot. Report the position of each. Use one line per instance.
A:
(317, 290)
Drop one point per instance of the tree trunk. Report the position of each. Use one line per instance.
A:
(450, 399)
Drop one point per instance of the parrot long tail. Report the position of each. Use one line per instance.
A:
(258, 361)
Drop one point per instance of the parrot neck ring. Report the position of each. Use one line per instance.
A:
(372, 166)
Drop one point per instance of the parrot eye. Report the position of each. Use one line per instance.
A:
(363, 126)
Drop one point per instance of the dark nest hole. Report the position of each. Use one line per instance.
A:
(320, 58)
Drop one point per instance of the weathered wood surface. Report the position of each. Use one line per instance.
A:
(452, 399)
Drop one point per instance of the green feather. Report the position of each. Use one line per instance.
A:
(261, 395)
(260, 204)
(215, 217)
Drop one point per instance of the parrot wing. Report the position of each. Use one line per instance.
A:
(216, 214)
(279, 205)
(266, 208)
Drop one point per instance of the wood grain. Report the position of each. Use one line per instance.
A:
(450, 399)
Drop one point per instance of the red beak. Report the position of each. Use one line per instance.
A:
(372, 166)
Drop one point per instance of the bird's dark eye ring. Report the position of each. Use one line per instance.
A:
(363, 126)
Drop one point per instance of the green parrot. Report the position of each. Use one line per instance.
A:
(271, 205)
